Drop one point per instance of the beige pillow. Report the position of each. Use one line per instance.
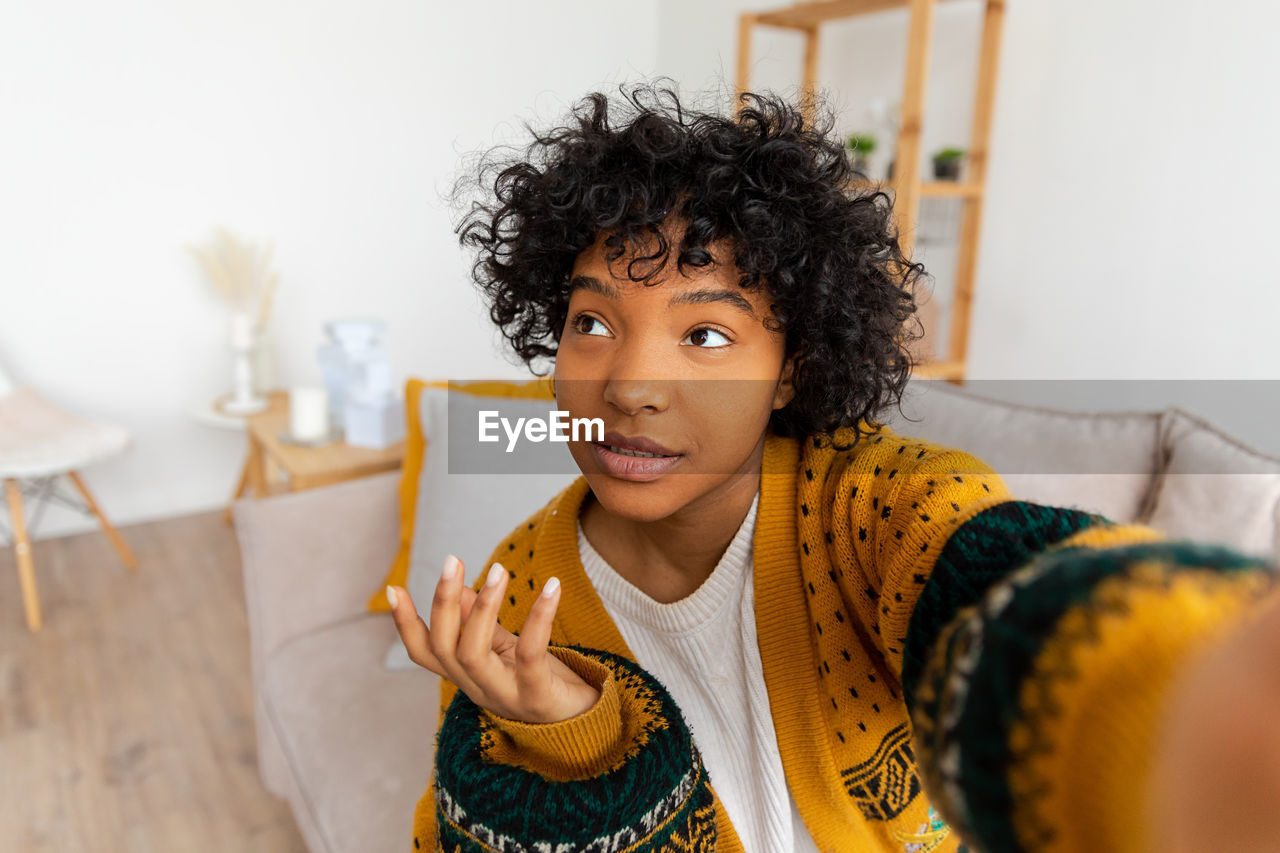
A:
(461, 512)
(1216, 488)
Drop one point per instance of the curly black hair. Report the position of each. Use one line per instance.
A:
(781, 190)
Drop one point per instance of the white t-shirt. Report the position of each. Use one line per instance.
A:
(703, 649)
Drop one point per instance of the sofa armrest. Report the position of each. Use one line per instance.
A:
(313, 558)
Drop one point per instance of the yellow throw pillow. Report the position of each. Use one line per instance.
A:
(415, 452)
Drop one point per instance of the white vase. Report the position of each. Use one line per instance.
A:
(264, 363)
(244, 398)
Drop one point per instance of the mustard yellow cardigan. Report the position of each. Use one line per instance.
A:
(948, 668)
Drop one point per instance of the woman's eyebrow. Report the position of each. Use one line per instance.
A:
(688, 297)
(595, 285)
(704, 297)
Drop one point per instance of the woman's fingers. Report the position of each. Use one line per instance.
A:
(502, 638)
(465, 601)
(413, 631)
(444, 610)
(475, 646)
(533, 670)
(445, 621)
(465, 643)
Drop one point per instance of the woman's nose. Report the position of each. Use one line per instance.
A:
(637, 383)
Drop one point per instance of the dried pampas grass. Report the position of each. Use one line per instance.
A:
(241, 272)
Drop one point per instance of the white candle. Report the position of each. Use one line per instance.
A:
(308, 412)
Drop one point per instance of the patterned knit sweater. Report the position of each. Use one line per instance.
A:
(948, 668)
(703, 649)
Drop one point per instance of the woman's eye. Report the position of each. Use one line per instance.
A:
(589, 325)
(707, 338)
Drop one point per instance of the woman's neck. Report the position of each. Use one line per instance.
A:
(670, 558)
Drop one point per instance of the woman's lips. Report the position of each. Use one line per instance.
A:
(636, 468)
(642, 443)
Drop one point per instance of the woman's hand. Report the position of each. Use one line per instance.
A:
(514, 677)
(1217, 768)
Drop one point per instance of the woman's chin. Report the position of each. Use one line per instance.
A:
(653, 500)
(635, 501)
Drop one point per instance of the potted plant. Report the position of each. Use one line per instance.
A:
(860, 145)
(946, 164)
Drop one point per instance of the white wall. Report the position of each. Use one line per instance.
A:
(1132, 176)
(1125, 235)
(133, 128)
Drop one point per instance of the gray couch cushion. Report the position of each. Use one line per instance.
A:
(1202, 494)
(359, 738)
(1101, 462)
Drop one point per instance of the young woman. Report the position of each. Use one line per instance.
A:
(785, 627)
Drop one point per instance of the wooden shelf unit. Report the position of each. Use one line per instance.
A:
(907, 185)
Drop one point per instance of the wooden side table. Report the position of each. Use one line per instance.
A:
(301, 467)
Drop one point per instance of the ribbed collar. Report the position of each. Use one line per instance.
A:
(693, 612)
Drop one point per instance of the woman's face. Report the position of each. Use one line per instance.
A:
(685, 369)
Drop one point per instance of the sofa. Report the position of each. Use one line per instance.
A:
(348, 742)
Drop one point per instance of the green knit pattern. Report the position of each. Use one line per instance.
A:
(659, 798)
(968, 699)
(981, 552)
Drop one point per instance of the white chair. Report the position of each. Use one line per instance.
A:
(39, 442)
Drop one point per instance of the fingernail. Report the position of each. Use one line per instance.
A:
(495, 575)
(391, 596)
(450, 567)
(551, 587)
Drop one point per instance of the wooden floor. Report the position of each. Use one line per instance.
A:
(126, 722)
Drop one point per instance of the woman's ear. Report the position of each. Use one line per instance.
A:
(786, 389)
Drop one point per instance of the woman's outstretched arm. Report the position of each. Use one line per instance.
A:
(1035, 646)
